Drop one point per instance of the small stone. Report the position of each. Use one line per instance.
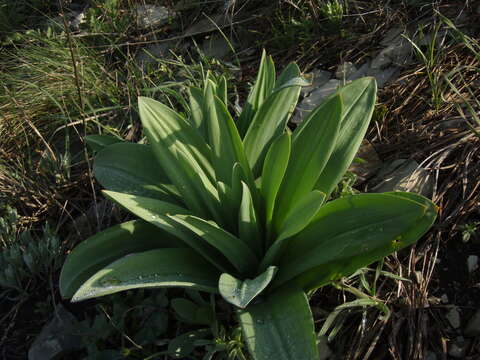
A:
(361, 72)
(315, 98)
(392, 35)
(403, 175)
(323, 348)
(216, 46)
(383, 76)
(444, 298)
(345, 70)
(472, 263)
(152, 15)
(453, 317)
(473, 326)
(368, 163)
(318, 78)
(396, 53)
(57, 337)
(430, 355)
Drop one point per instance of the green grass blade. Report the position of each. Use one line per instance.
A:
(180, 267)
(196, 102)
(358, 104)
(235, 250)
(312, 145)
(133, 169)
(107, 246)
(281, 327)
(352, 232)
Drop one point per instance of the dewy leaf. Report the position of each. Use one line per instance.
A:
(157, 212)
(133, 169)
(234, 249)
(352, 232)
(182, 153)
(100, 142)
(180, 267)
(359, 102)
(268, 123)
(281, 327)
(274, 169)
(241, 293)
(107, 246)
(263, 86)
(298, 218)
(311, 148)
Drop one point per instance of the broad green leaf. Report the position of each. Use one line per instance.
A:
(350, 233)
(298, 218)
(268, 123)
(312, 146)
(183, 154)
(248, 226)
(234, 249)
(171, 267)
(191, 313)
(274, 169)
(156, 213)
(100, 142)
(227, 147)
(359, 102)
(281, 327)
(107, 246)
(263, 86)
(196, 102)
(133, 169)
(241, 292)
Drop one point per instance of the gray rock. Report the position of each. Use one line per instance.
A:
(323, 348)
(216, 46)
(361, 72)
(368, 164)
(385, 75)
(403, 175)
(318, 78)
(457, 348)
(152, 15)
(148, 54)
(345, 70)
(453, 317)
(396, 53)
(473, 326)
(208, 24)
(57, 337)
(315, 98)
(472, 263)
(392, 35)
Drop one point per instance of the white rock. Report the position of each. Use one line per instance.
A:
(152, 15)
(472, 263)
(453, 317)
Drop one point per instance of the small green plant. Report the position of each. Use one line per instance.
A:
(24, 257)
(333, 11)
(469, 230)
(239, 209)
